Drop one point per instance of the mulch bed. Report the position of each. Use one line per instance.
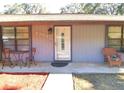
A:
(22, 81)
(98, 81)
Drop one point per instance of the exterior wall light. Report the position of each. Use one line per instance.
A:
(50, 30)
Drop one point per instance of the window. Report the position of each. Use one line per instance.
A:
(116, 37)
(16, 38)
(62, 41)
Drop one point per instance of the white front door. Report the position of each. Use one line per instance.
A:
(62, 37)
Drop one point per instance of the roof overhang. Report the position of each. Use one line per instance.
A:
(60, 17)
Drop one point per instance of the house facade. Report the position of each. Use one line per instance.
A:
(62, 37)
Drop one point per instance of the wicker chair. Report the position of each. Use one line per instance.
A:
(6, 57)
(31, 59)
(108, 52)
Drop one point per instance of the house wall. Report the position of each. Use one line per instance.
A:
(87, 42)
(42, 42)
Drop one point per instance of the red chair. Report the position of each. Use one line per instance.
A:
(31, 59)
(108, 52)
(6, 57)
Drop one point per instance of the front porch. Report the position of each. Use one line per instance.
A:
(70, 68)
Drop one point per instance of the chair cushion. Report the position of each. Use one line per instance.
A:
(115, 57)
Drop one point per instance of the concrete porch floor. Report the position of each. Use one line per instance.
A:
(70, 68)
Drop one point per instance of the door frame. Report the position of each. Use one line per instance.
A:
(54, 60)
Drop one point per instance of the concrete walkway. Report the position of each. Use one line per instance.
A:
(70, 68)
(59, 82)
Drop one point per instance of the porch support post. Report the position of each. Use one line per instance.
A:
(30, 42)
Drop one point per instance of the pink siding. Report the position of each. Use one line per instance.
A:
(87, 43)
(85, 38)
(43, 42)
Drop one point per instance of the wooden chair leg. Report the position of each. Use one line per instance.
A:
(110, 64)
(11, 64)
(34, 62)
(20, 64)
(3, 64)
(29, 64)
(119, 65)
(25, 64)
(8, 62)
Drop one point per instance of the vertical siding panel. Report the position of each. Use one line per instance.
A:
(42, 42)
(88, 41)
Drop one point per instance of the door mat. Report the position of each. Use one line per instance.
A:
(59, 64)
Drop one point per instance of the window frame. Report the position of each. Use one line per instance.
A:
(121, 39)
(16, 45)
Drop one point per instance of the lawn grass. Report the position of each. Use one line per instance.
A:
(98, 81)
(22, 81)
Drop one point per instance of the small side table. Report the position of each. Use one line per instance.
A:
(19, 56)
